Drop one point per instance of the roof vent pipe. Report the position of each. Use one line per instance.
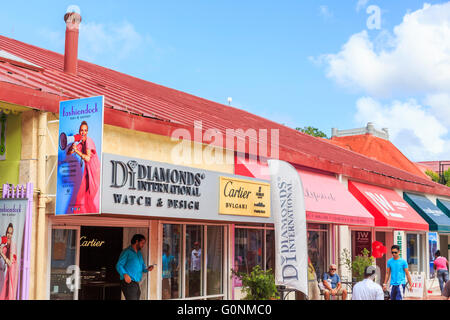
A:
(73, 20)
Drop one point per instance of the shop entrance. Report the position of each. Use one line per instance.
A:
(83, 262)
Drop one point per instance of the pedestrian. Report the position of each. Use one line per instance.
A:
(368, 289)
(131, 266)
(396, 271)
(441, 266)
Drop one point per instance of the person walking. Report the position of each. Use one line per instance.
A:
(396, 271)
(441, 266)
(131, 266)
(368, 289)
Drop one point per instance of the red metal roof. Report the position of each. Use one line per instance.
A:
(379, 149)
(154, 108)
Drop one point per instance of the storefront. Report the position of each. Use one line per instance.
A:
(444, 238)
(395, 223)
(199, 224)
(328, 206)
(439, 223)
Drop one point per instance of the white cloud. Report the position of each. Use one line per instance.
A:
(420, 134)
(440, 106)
(325, 12)
(117, 42)
(361, 4)
(414, 59)
(409, 68)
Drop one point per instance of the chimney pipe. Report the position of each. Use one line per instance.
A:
(73, 20)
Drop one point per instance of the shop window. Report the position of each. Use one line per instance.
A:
(414, 249)
(194, 261)
(381, 262)
(201, 262)
(171, 259)
(248, 250)
(214, 261)
(270, 250)
(64, 256)
(318, 249)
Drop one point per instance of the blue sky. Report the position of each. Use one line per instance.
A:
(278, 59)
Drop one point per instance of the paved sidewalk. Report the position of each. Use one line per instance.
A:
(429, 297)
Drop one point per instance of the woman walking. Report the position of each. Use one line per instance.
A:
(441, 267)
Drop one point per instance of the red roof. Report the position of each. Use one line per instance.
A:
(379, 149)
(141, 105)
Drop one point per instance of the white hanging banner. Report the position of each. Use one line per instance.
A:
(288, 207)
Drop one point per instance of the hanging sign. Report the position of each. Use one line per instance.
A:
(244, 197)
(79, 156)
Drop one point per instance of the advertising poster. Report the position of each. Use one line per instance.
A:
(12, 223)
(433, 247)
(362, 240)
(80, 156)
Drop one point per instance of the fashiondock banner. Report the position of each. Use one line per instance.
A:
(288, 208)
(80, 156)
(12, 223)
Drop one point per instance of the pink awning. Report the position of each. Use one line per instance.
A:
(326, 199)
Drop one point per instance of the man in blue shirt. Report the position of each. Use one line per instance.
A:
(396, 271)
(130, 267)
(332, 284)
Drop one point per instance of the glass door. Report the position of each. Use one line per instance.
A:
(65, 271)
(193, 262)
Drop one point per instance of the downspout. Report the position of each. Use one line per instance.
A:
(40, 245)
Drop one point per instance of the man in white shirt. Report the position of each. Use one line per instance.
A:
(368, 289)
(195, 267)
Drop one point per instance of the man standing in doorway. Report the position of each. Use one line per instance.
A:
(396, 271)
(130, 267)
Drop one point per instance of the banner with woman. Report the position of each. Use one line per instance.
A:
(12, 223)
(79, 156)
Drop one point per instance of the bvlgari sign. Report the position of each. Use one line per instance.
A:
(149, 188)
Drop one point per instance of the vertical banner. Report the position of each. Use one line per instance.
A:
(79, 156)
(12, 223)
(433, 247)
(288, 207)
(398, 240)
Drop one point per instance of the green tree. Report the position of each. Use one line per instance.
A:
(258, 285)
(436, 178)
(312, 132)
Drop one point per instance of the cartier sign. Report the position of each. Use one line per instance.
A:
(148, 188)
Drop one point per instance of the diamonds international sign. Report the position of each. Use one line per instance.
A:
(147, 188)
